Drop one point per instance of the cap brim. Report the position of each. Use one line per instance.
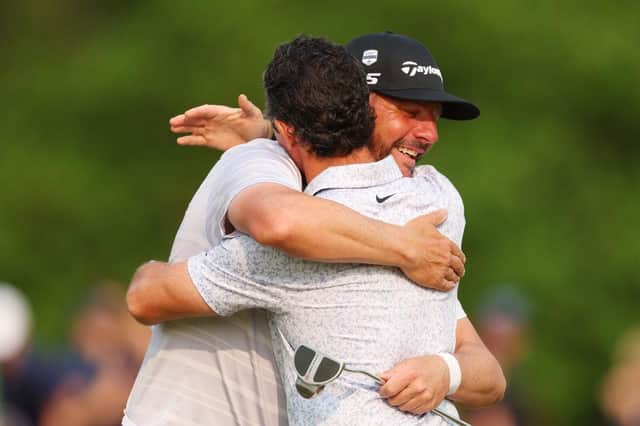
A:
(453, 107)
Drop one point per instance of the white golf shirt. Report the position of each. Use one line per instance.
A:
(370, 317)
(215, 370)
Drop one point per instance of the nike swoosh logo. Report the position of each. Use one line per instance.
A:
(383, 199)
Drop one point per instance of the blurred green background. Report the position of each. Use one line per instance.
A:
(94, 184)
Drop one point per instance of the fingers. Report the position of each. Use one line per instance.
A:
(187, 122)
(192, 140)
(414, 384)
(201, 111)
(386, 375)
(451, 276)
(402, 399)
(457, 266)
(455, 250)
(410, 406)
(248, 107)
(448, 285)
(178, 120)
(420, 404)
(394, 386)
(205, 112)
(424, 408)
(442, 285)
(198, 116)
(414, 399)
(436, 218)
(185, 129)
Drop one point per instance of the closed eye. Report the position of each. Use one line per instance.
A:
(411, 112)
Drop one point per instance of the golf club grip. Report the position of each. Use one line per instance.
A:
(448, 417)
(435, 410)
(366, 373)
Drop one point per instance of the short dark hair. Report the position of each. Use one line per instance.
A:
(318, 88)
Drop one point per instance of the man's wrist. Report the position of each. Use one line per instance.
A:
(455, 373)
(397, 247)
(405, 249)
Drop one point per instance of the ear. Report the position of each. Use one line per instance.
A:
(283, 127)
(285, 134)
(373, 98)
(287, 140)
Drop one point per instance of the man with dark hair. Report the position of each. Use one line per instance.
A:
(475, 389)
(332, 121)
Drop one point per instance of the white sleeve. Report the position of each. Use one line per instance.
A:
(227, 280)
(259, 161)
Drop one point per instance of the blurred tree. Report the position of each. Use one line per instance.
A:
(94, 184)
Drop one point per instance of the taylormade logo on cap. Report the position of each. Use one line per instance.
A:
(412, 68)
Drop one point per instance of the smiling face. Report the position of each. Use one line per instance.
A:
(404, 129)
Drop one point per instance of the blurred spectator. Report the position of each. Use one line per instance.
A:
(15, 331)
(15, 322)
(503, 325)
(105, 335)
(89, 384)
(620, 391)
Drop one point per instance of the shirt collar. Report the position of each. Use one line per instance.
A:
(358, 175)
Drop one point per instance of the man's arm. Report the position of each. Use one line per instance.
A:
(162, 292)
(419, 384)
(213, 283)
(316, 229)
(483, 382)
(322, 230)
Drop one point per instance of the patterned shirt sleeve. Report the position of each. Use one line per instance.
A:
(224, 278)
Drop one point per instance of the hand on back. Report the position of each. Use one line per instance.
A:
(435, 261)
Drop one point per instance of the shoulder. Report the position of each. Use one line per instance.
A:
(430, 173)
(232, 254)
(265, 148)
(442, 184)
(260, 160)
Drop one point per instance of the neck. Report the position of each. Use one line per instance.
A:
(313, 165)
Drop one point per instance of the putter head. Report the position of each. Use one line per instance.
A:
(314, 368)
(307, 390)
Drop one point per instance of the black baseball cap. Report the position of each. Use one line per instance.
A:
(400, 67)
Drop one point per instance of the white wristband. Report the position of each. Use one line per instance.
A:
(455, 374)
